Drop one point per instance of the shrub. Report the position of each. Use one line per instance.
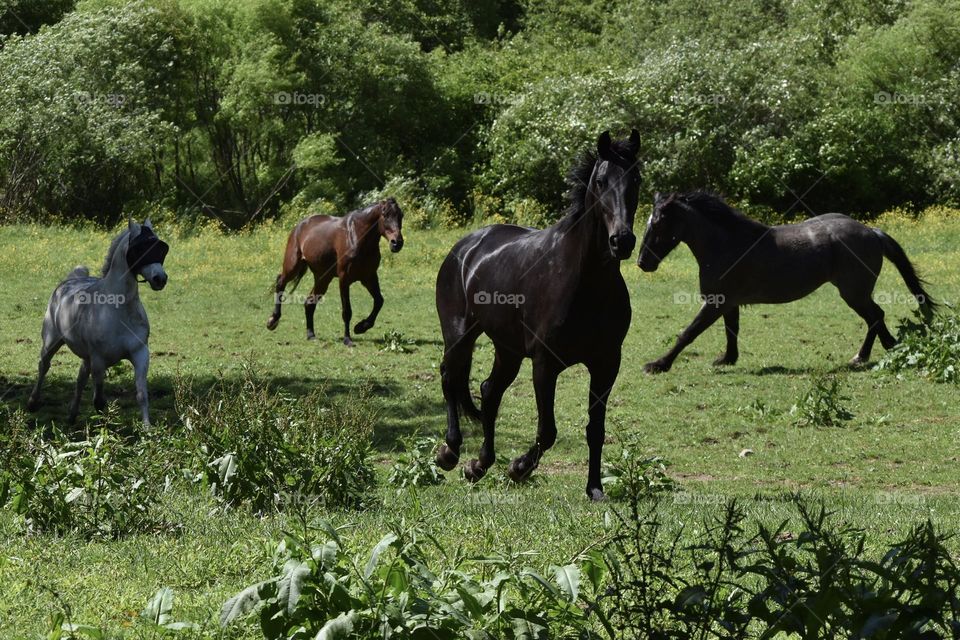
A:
(259, 446)
(737, 581)
(321, 590)
(823, 405)
(933, 349)
(102, 487)
(633, 476)
(416, 467)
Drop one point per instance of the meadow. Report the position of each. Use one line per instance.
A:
(725, 432)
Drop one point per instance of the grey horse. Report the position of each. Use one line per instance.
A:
(102, 320)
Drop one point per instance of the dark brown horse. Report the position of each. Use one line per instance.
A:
(553, 295)
(743, 261)
(347, 248)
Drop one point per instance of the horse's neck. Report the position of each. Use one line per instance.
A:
(120, 279)
(706, 237)
(581, 239)
(364, 227)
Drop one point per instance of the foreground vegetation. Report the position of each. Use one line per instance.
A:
(94, 549)
(240, 110)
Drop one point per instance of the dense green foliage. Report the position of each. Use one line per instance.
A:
(240, 109)
(256, 445)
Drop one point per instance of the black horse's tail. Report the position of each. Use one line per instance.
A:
(895, 253)
(461, 388)
(464, 398)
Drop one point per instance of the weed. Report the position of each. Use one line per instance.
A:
(823, 405)
(262, 447)
(933, 349)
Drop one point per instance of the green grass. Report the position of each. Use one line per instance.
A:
(894, 463)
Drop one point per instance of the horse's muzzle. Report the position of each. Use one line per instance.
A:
(646, 263)
(158, 282)
(396, 245)
(622, 244)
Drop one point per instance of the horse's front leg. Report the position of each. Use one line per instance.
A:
(602, 377)
(141, 363)
(346, 311)
(708, 314)
(731, 323)
(82, 377)
(372, 285)
(99, 371)
(545, 372)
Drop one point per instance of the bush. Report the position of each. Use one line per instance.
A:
(102, 487)
(258, 446)
(737, 581)
(932, 349)
(823, 405)
(416, 467)
(321, 590)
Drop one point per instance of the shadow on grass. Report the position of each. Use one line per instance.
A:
(400, 414)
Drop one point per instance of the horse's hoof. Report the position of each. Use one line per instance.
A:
(447, 458)
(596, 495)
(348, 342)
(272, 322)
(362, 327)
(33, 404)
(856, 362)
(474, 471)
(724, 361)
(519, 471)
(655, 367)
(311, 335)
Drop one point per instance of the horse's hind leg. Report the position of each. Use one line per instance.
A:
(82, 376)
(320, 284)
(872, 314)
(731, 324)
(372, 285)
(454, 378)
(52, 341)
(506, 365)
(545, 372)
(293, 268)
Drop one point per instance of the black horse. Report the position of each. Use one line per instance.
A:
(553, 295)
(743, 261)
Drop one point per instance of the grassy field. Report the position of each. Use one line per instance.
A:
(893, 464)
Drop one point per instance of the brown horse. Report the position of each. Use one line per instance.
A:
(348, 248)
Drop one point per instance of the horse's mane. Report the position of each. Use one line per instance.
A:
(579, 177)
(114, 246)
(714, 207)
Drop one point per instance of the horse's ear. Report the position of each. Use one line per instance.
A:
(148, 224)
(634, 141)
(657, 198)
(603, 145)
